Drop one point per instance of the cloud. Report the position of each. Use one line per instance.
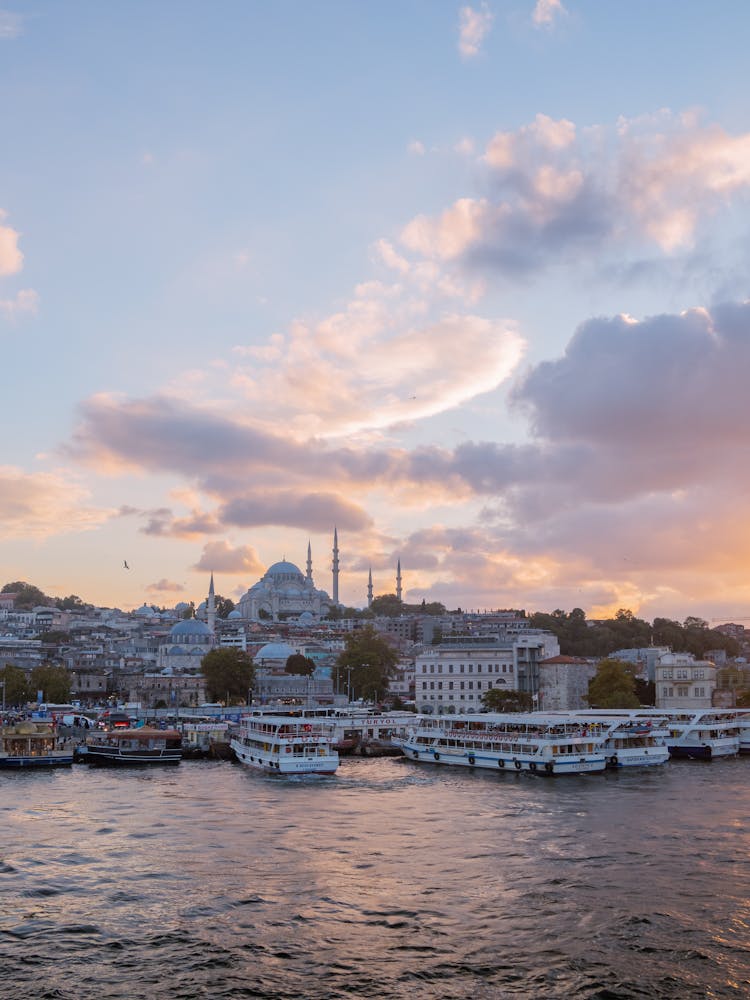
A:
(552, 190)
(25, 302)
(474, 25)
(546, 13)
(166, 586)
(11, 24)
(44, 504)
(315, 511)
(11, 258)
(221, 557)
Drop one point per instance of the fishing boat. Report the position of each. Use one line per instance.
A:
(513, 741)
(132, 747)
(283, 744)
(33, 744)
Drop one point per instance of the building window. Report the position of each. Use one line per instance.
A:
(450, 668)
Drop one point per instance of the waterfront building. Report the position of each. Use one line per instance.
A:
(682, 682)
(564, 683)
(453, 678)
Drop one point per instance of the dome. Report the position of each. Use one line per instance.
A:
(145, 612)
(284, 571)
(274, 651)
(190, 627)
(234, 614)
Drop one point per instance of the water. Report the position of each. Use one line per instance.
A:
(389, 880)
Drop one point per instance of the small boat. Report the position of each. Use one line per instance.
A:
(30, 744)
(199, 737)
(124, 747)
(513, 741)
(283, 744)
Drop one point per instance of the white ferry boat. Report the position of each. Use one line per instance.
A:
(627, 739)
(284, 744)
(703, 734)
(743, 726)
(512, 741)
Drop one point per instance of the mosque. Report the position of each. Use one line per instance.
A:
(285, 592)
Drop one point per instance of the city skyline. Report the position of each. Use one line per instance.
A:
(466, 282)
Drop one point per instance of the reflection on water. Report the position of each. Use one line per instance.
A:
(389, 880)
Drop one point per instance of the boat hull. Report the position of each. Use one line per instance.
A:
(112, 757)
(15, 762)
(586, 764)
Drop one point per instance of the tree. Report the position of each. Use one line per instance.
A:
(497, 700)
(70, 603)
(224, 605)
(27, 596)
(613, 686)
(299, 664)
(55, 683)
(366, 664)
(387, 605)
(189, 610)
(229, 675)
(55, 637)
(16, 685)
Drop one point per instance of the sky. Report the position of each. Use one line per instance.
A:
(467, 282)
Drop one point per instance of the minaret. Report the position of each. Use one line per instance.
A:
(211, 606)
(309, 563)
(369, 589)
(398, 581)
(335, 567)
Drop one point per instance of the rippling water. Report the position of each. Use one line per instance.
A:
(389, 880)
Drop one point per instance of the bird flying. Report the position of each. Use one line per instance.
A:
(125, 564)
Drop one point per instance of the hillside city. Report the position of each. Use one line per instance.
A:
(438, 661)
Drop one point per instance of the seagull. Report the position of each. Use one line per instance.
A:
(125, 564)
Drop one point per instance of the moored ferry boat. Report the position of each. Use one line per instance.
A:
(30, 744)
(513, 741)
(743, 730)
(132, 747)
(284, 744)
(703, 734)
(627, 739)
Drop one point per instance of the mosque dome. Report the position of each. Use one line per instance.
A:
(274, 651)
(190, 630)
(234, 614)
(284, 570)
(145, 611)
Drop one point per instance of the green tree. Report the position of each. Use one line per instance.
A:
(55, 683)
(229, 675)
(189, 611)
(71, 603)
(28, 596)
(387, 605)
(224, 605)
(299, 664)
(366, 664)
(17, 690)
(497, 700)
(613, 686)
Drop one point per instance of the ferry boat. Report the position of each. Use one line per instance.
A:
(369, 734)
(703, 734)
(132, 747)
(30, 744)
(513, 741)
(743, 730)
(285, 744)
(627, 739)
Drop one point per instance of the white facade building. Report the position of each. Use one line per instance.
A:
(684, 682)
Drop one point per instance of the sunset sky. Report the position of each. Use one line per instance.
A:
(469, 282)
